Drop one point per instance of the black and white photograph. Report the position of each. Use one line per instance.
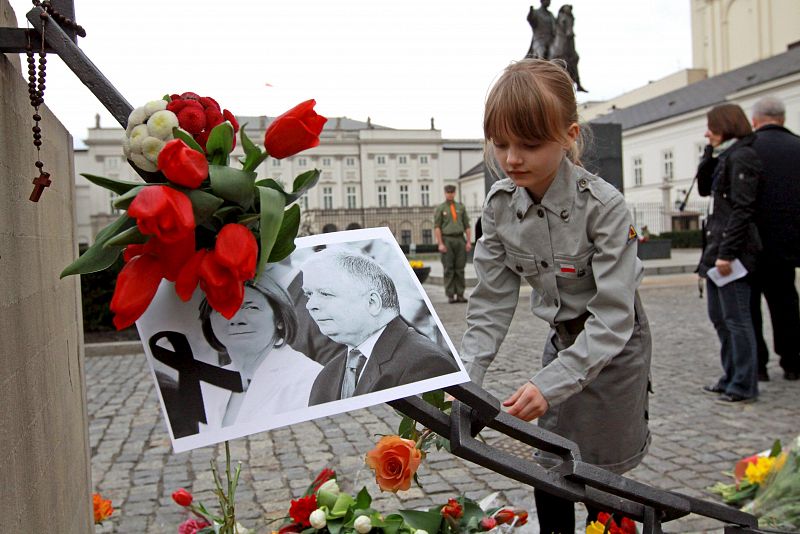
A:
(339, 325)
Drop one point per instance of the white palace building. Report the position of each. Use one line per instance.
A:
(378, 176)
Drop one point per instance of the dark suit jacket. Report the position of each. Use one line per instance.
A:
(400, 356)
(778, 203)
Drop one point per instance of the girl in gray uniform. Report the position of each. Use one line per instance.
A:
(569, 235)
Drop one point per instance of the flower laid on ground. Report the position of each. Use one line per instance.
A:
(395, 461)
(416, 264)
(102, 508)
(749, 475)
(198, 220)
(777, 501)
(341, 513)
(606, 523)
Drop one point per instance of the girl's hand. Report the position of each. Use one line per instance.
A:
(527, 403)
(442, 248)
(723, 267)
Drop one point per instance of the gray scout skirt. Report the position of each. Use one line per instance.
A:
(608, 418)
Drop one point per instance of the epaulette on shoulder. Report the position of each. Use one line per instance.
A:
(505, 185)
(601, 190)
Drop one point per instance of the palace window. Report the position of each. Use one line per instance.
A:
(404, 195)
(637, 170)
(669, 161)
(380, 160)
(423, 160)
(327, 198)
(383, 199)
(425, 194)
(351, 197)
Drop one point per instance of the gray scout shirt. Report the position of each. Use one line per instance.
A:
(576, 249)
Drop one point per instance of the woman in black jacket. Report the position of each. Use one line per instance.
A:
(730, 174)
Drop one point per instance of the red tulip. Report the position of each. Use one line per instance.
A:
(163, 212)
(504, 516)
(182, 165)
(145, 266)
(222, 272)
(488, 523)
(296, 130)
(182, 497)
(136, 286)
(452, 510)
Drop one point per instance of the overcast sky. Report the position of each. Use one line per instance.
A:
(398, 62)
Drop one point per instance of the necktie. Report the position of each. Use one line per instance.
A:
(355, 362)
(453, 211)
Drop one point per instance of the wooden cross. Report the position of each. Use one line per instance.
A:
(41, 182)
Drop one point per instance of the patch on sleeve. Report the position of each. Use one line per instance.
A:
(632, 235)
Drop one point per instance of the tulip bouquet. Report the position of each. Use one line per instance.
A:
(325, 509)
(198, 219)
(749, 474)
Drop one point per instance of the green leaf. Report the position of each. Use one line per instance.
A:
(131, 236)
(335, 525)
(407, 428)
(392, 524)
(253, 154)
(343, 504)
(187, 138)
(304, 182)
(120, 187)
(124, 201)
(471, 510)
(363, 499)
(326, 498)
(204, 205)
(271, 208)
(272, 184)
(776, 449)
(98, 256)
(223, 214)
(434, 398)
(428, 521)
(220, 142)
(284, 242)
(233, 184)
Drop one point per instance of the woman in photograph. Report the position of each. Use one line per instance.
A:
(275, 377)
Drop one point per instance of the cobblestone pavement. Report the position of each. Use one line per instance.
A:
(695, 440)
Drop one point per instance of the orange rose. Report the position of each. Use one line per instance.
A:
(394, 460)
(102, 508)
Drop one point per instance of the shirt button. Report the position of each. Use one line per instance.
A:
(519, 215)
(544, 264)
(582, 182)
(519, 268)
(564, 214)
(540, 213)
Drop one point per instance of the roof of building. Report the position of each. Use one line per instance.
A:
(705, 93)
(479, 168)
(334, 123)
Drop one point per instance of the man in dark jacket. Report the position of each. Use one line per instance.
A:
(777, 216)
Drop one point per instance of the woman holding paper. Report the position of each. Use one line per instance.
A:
(729, 173)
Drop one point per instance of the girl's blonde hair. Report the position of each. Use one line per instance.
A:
(533, 99)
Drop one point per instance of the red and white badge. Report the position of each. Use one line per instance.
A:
(566, 268)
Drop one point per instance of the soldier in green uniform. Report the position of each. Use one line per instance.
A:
(451, 223)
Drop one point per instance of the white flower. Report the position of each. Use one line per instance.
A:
(151, 147)
(126, 147)
(143, 163)
(317, 519)
(161, 124)
(331, 487)
(137, 117)
(155, 105)
(363, 524)
(138, 134)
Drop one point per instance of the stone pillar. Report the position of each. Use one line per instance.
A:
(43, 418)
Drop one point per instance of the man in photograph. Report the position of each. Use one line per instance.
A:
(354, 302)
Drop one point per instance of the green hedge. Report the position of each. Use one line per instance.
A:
(684, 239)
(96, 292)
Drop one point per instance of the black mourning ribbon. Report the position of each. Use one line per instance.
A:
(187, 404)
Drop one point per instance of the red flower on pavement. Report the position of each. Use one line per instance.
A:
(301, 509)
(452, 510)
(145, 266)
(296, 130)
(182, 165)
(102, 508)
(192, 526)
(221, 272)
(488, 523)
(628, 526)
(504, 516)
(182, 497)
(163, 212)
(323, 476)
